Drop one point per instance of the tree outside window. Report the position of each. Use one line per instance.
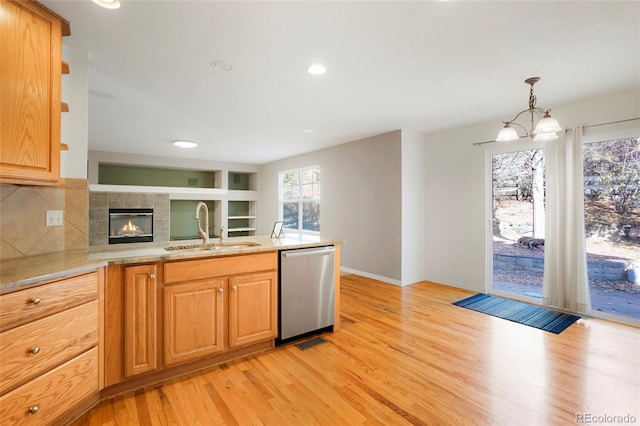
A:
(300, 199)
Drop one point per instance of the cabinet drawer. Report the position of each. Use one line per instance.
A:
(54, 339)
(33, 303)
(190, 270)
(52, 393)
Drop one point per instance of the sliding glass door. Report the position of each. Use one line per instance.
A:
(612, 225)
(518, 223)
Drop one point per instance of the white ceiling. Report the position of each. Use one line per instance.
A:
(421, 66)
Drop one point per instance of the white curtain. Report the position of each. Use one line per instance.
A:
(565, 273)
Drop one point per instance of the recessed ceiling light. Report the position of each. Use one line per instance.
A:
(221, 65)
(316, 69)
(109, 4)
(185, 144)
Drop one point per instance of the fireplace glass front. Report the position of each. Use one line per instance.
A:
(130, 226)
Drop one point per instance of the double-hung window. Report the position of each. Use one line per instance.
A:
(299, 193)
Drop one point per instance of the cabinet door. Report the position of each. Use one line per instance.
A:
(31, 45)
(194, 320)
(252, 308)
(140, 320)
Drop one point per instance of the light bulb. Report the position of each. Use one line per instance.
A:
(109, 4)
(185, 144)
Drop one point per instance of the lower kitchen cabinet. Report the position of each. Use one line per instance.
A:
(164, 318)
(141, 319)
(253, 308)
(194, 320)
(50, 338)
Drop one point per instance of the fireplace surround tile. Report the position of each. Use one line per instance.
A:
(100, 202)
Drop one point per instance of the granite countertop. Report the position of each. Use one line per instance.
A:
(30, 271)
(24, 272)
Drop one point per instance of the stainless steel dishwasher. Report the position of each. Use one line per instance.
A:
(307, 286)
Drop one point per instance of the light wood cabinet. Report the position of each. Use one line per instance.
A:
(194, 320)
(45, 399)
(253, 308)
(50, 350)
(31, 349)
(227, 302)
(30, 87)
(33, 303)
(140, 319)
(207, 311)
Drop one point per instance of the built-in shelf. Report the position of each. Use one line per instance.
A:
(242, 181)
(241, 217)
(174, 192)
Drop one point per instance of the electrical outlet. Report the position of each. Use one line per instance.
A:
(54, 217)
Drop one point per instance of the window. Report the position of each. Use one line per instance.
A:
(300, 199)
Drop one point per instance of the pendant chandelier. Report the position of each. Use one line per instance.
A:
(546, 130)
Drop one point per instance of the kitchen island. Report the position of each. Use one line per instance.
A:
(137, 314)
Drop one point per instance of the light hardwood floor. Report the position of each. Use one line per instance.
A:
(407, 356)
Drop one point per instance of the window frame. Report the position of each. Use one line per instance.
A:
(300, 200)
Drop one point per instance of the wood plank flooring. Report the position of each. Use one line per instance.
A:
(407, 356)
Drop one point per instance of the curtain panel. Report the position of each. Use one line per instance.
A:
(565, 283)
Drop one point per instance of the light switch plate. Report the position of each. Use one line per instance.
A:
(54, 217)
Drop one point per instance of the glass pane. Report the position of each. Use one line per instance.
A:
(291, 186)
(311, 184)
(518, 222)
(612, 225)
(311, 216)
(290, 215)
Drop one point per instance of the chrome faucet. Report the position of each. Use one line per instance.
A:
(203, 233)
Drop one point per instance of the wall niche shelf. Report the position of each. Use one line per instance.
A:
(241, 218)
(229, 189)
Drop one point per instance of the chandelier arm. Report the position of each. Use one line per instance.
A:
(541, 111)
(521, 126)
(512, 121)
(495, 141)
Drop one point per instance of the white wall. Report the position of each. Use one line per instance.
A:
(361, 192)
(415, 207)
(75, 123)
(456, 223)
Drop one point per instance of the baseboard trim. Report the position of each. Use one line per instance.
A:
(372, 276)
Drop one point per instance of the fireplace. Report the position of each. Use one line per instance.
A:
(130, 226)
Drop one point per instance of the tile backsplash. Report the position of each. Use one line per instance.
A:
(23, 210)
(101, 202)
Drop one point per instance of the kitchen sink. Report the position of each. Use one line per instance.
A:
(229, 245)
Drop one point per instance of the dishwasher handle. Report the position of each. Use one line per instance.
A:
(321, 252)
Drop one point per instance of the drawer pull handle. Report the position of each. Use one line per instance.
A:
(34, 350)
(35, 300)
(220, 290)
(34, 409)
(152, 276)
(234, 288)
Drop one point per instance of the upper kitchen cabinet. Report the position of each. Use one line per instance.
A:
(30, 87)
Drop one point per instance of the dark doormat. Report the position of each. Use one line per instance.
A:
(523, 313)
(310, 343)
